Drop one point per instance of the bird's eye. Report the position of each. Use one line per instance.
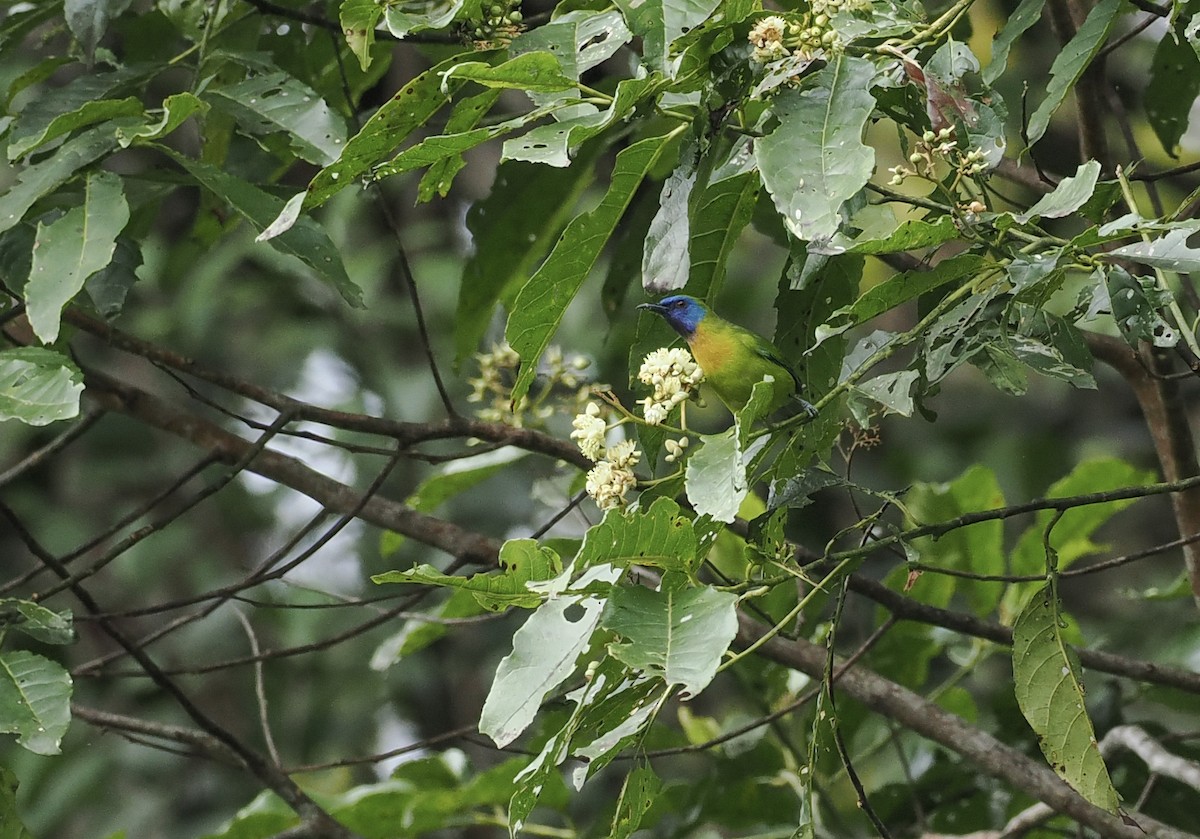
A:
(678, 304)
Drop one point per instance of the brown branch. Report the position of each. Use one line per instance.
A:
(926, 718)
(406, 434)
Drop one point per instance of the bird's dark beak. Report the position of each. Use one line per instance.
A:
(653, 307)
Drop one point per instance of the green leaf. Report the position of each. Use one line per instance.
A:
(522, 561)
(892, 391)
(69, 250)
(1135, 303)
(638, 794)
(35, 700)
(1070, 63)
(679, 636)
(1071, 537)
(1070, 194)
(908, 236)
(1172, 90)
(307, 240)
(715, 477)
(1049, 691)
(1170, 252)
(43, 178)
(359, 19)
(272, 103)
(88, 20)
(536, 72)
(465, 116)
(416, 635)
(896, 290)
(10, 822)
(38, 386)
(665, 260)
(661, 537)
(60, 104)
(407, 16)
(1024, 16)
(719, 214)
(108, 287)
(544, 653)
(815, 160)
(543, 300)
(87, 114)
(37, 621)
(978, 548)
(176, 109)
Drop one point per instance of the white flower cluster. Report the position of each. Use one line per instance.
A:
(776, 37)
(940, 146)
(673, 374)
(498, 372)
(612, 477)
(675, 449)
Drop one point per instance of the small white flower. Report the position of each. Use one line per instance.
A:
(769, 30)
(654, 412)
(589, 431)
(623, 455)
(607, 484)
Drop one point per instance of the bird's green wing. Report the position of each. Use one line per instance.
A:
(767, 350)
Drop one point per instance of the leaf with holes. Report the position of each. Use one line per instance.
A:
(359, 19)
(660, 536)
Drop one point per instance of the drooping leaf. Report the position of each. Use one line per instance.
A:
(307, 240)
(1174, 85)
(522, 561)
(1024, 16)
(892, 391)
(678, 636)
(665, 261)
(35, 700)
(537, 72)
(544, 653)
(543, 300)
(1070, 63)
(716, 476)
(719, 214)
(465, 116)
(72, 248)
(660, 537)
(815, 160)
(108, 287)
(74, 105)
(37, 621)
(1070, 194)
(38, 386)
(638, 793)
(408, 16)
(1049, 690)
(271, 103)
(43, 178)
(11, 826)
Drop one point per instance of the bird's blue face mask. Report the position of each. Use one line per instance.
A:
(682, 312)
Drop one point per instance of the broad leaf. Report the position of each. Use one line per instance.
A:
(176, 109)
(37, 621)
(665, 261)
(679, 636)
(10, 822)
(1135, 303)
(716, 476)
(661, 22)
(543, 300)
(544, 653)
(35, 700)
(72, 248)
(1049, 690)
(535, 72)
(88, 114)
(1024, 16)
(1170, 252)
(359, 19)
(719, 214)
(1174, 84)
(407, 16)
(38, 386)
(88, 20)
(638, 794)
(815, 160)
(43, 178)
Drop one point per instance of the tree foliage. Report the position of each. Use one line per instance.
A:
(349, 493)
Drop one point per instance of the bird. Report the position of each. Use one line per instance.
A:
(733, 358)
